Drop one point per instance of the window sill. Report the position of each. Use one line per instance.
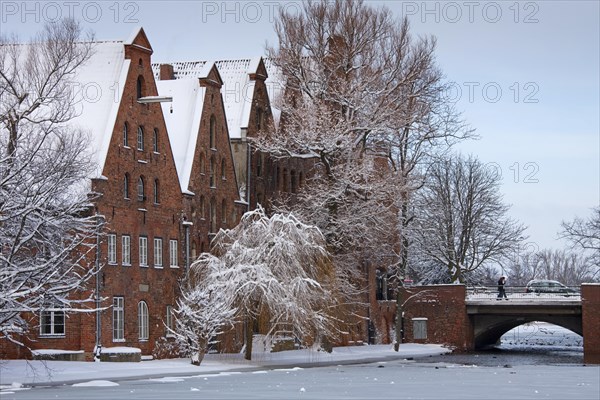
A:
(52, 336)
(174, 266)
(143, 265)
(126, 265)
(118, 340)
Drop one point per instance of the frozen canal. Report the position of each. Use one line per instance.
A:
(534, 362)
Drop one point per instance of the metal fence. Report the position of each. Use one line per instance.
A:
(520, 292)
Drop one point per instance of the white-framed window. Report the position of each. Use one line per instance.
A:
(173, 259)
(52, 322)
(118, 319)
(158, 253)
(155, 140)
(140, 189)
(143, 320)
(169, 322)
(125, 134)
(126, 249)
(112, 248)
(143, 251)
(140, 138)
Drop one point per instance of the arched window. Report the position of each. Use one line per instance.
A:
(202, 162)
(223, 169)
(143, 320)
(140, 138)
(156, 192)
(213, 216)
(212, 171)
(140, 87)
(259, 163)
(126, 186)
(259, 118)
(213, 132)
(140, 189)
(202, 208)
(224, 212)
(155, 141)
(126, 134)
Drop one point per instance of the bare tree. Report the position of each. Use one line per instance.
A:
(274, 266)
(585, 234)
(47, 230)
(461, 221)
(565, 266)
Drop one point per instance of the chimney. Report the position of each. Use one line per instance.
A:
(166, 72)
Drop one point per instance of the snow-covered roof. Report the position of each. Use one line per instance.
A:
(237, 88)
(275, 86)
(182, 117)
(98, 83)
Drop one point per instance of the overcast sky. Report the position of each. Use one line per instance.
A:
(525, 74)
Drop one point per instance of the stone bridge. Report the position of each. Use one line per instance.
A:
(444, 314)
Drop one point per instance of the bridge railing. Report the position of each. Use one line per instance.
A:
(521, 293)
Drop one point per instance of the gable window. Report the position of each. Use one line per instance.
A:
(126, 134)
(52, 322)
(155, 141)
(118, 319)
(140, 188)
(259, 162)
(140, 87)
(202, 164)
(143, 320)
(212, 172)
(143, 251)
(155, 194)
(259, 118)
(173, 258)
(224, 212)
(223, 169)
(212, 216)
(140, 138)
(202, 208)
(126, 187)
(112, 248)
(212, 132)
(158, 256)
(126, 249)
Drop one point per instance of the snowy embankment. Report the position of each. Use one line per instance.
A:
(14, 373)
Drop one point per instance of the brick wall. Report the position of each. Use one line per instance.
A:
(590, 310)
(445, 310)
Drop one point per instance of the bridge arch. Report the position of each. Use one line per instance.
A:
(487, 330)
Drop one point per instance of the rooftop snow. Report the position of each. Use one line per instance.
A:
(98, 86)
(182, 118)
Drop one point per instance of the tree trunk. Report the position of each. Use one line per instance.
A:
(249, 331)
(398, 318)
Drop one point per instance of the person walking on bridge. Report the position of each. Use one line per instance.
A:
(501, 290)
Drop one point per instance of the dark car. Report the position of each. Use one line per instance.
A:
(549, 286)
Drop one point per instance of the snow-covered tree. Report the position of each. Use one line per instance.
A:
(275, 266)
(203, 312)
(47, 228)
(365, 98)
(461, 221)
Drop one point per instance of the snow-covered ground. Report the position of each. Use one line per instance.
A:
(350, 372)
